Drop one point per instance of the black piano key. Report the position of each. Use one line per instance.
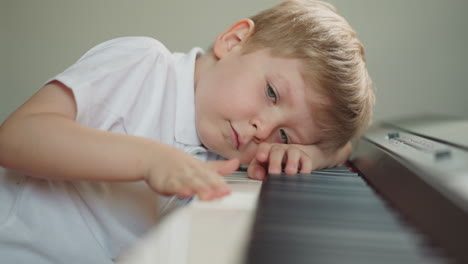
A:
(335, 173)
(342, 168)
(327, 218)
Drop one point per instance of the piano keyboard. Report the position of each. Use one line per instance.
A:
(331, 216)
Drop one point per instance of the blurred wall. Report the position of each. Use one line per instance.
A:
(415, 48)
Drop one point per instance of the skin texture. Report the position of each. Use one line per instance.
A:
(231, 95)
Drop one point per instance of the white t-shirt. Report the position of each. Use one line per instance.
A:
(131, 85)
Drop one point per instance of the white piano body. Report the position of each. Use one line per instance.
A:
(202, 232)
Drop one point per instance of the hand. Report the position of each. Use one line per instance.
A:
(270, 158)
(183, 175)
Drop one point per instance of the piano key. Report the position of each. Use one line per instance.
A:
(343, 168)
(327, 218)
(334, 173)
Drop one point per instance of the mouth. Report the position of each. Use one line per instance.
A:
(234, 137)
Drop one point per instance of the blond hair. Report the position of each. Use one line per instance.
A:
(333, 60)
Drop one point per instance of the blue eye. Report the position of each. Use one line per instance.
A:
(284, 136)
(271, 93)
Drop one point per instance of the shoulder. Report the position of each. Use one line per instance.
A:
(130, 45)
(137, 42)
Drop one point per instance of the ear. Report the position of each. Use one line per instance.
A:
(233, 37)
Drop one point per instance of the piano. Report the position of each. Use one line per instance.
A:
(401, 198)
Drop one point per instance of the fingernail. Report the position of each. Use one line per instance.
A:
(291, 171)
(257, 174)
(261, 156)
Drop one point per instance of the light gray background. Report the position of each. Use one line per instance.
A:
(416, 49)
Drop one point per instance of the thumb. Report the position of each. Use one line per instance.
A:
(224, 167)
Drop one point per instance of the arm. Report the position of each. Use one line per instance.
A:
(294, 159)
(42, 139)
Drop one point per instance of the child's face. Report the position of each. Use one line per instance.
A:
(245, 99)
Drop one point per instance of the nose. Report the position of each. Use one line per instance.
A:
(263, 129)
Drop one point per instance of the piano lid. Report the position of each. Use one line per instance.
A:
(446, 129)
(435, 148)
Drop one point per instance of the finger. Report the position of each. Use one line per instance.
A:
(217, 186)
(205, 193)
(256, 170)
(294, 157)
(275, 161)
(205, 196)
(196, 184)
(224, 167)
(212, 177)
(223, 191)
(306, 165)
(171, 186)
(185, 192)
(213, 193)
(229, 167)
(212, 185)
(263, 152)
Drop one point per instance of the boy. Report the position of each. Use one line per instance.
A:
(287, 87)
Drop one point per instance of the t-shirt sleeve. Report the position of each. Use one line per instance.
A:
(110, 77)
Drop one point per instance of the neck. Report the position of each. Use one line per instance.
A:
(202, 64)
